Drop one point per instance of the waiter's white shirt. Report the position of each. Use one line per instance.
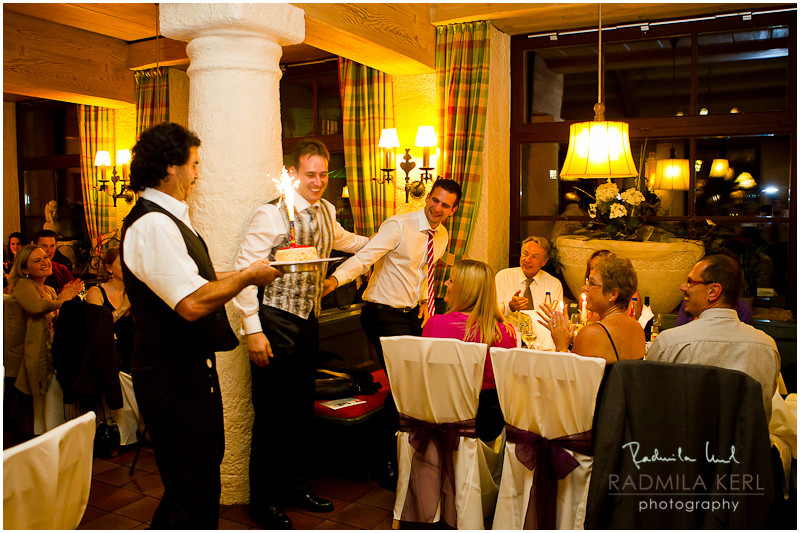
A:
(511, 280)
(399, 252)
(156, 253)
(267, 229)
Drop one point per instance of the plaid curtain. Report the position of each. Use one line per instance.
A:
(152, 98)
(462, 75)
(367, 108)
(96, 125)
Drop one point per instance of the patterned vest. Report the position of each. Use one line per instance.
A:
(299, 292)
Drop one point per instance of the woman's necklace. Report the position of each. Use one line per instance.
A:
(616, 312)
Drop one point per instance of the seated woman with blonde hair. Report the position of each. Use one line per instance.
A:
(473, 316)
(39, 303)
(609, 287)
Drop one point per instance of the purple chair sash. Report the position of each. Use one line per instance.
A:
(432, 474)
(550, 462)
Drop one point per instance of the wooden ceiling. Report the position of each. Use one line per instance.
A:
(134, 22)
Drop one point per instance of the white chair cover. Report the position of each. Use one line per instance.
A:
(439, 380)
(551, 394)
(127, 418)
(46, 480)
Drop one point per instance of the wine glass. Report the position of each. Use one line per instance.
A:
(575, 321)
(528, 335)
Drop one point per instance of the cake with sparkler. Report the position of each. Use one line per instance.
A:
(292, 253)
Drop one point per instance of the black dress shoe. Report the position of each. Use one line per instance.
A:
(308, 501)
(270, 517)
(386, 475)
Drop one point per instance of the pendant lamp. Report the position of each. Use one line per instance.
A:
(599, 149)
(672, 174)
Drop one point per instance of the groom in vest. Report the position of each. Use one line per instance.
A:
(283, 339)
(177, 302)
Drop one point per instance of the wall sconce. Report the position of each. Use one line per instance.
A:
(102, 159)
(426, 139)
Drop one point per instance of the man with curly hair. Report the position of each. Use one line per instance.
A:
(177, 302)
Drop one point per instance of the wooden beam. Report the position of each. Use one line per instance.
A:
(125, 21)
(394, 38)
(518, 19)
(171, 53)
(47, 60)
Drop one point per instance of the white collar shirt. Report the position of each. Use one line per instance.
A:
(719, 338)
(156, 253)
(511, 280)
(267, 230)
(399, 253)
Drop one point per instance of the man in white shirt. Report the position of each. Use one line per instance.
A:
(718, 337)
(283, 339)
(396, 300)
(525, 287)
(178, 310)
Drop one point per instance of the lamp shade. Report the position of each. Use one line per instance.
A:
(672, 175)
(745, 180)
(388, 138)
(123, 157)
(426, 137)
(719, 168)
(102, 159)
(598, 149)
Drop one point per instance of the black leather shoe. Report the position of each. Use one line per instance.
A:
(308, 501)
(386, 475)
(270, 517)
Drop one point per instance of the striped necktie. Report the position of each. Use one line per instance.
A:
(431, 272)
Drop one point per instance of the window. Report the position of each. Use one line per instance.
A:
(49, 167)
(741, 73)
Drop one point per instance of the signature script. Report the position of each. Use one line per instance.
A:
(655, 457)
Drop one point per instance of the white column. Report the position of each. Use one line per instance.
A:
(234, 107)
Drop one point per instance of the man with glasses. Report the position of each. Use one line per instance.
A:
(718, 337)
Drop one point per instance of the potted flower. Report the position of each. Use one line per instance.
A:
(619, 223)
(622, 216)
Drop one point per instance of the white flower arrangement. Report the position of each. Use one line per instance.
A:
(620, 215)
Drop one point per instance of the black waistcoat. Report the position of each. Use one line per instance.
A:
(159, 330)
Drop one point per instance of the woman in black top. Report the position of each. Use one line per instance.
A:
(112, 294)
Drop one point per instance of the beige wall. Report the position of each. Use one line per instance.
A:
(489, 239)
(11, 216)
(179, 97)
(415, 104)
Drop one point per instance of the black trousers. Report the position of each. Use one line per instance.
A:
(182, 408)
(283, 400)
(379, 323)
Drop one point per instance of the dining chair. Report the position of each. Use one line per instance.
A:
(548, 401)
(46, 480)
(680, 446)
(442, 466)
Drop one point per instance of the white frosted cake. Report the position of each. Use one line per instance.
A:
(293, 254)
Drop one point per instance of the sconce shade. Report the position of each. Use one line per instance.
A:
(123, 157)
(719, 168)
(388, 138)
(672, 175)
(599, 149)
(102, 159)
(426, 136)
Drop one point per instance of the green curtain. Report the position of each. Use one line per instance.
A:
(367, 108)
(462, 75)
(96, 125)
(152, 98)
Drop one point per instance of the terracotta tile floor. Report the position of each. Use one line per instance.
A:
(121, 501)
